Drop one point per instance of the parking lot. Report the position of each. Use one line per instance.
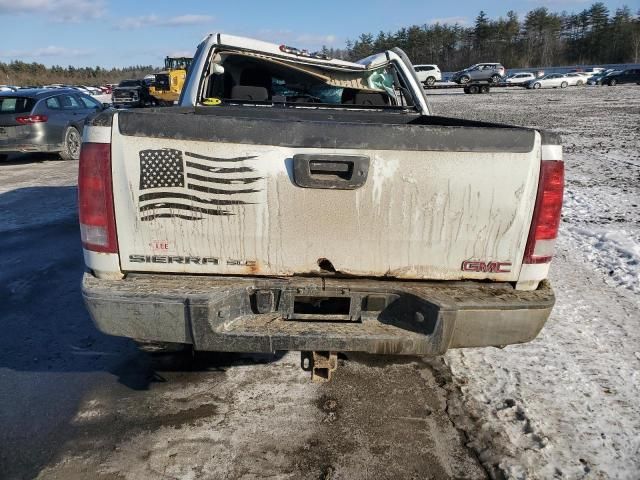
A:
(79, 404)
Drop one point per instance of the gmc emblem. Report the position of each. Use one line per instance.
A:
(486, 267)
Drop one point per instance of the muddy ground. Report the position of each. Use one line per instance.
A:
(77, 404)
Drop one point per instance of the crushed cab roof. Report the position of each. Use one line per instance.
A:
(273, 50)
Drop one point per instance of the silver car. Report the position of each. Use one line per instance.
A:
(44, 120)
(553, 80)
(491, 72)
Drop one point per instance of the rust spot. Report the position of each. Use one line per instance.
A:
(253, 268)
(326, 265)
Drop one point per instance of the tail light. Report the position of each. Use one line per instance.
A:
(546, 213)
(29, 119)
(95, 199)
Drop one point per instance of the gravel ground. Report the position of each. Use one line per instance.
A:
(78, 404)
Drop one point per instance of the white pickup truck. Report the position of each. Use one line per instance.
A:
(297, 202)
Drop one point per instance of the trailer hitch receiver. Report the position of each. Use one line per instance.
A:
(320, 364)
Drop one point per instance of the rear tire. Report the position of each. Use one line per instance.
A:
(430, 81)
(474, 89)
(579, 83)
(495, 78)
(71, 144)
(613, 82)
(564, 85)
(537, 85)
(484, 89)
(463, 80)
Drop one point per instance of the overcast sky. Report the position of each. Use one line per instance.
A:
(127, 32)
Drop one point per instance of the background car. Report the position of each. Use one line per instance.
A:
(428, 74)
(44, 120)
(598, 78)
(132, 93)
(493, 72)
(520, 78)
(577, 78)
(631, 75)
(553, 80)
(593, 70)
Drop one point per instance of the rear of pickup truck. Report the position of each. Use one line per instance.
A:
(296, 202)
(253, 229)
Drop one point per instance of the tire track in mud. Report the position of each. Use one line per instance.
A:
(380, 417)
(386, 417)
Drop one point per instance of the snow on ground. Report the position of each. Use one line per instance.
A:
(613, 250)
(567, 405)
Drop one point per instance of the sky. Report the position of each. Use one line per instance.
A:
(120, 33)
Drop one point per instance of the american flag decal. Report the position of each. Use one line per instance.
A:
(191, 186)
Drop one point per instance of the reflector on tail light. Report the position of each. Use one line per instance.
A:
(546, 213)
(95, 199)
(29, 119)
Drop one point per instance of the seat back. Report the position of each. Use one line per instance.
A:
(373, 99)
(243, 92)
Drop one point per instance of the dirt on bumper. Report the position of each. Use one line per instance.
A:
(256, 314)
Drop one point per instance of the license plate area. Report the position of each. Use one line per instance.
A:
(309, 307)
(322, 306)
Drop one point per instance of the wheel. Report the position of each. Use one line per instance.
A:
(3, 157)
(495, 78)
(71, 144)
(464, 79)
(474, 89)
(613, 82)
(430, 81)
(484, 89)
(537, 85)
(564, 85)
(579, 82)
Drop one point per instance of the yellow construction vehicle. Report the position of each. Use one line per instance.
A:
(167, 85)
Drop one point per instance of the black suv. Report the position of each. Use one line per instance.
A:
(632, 75)
(132, 93)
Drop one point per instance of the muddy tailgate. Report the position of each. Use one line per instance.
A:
(279, 198)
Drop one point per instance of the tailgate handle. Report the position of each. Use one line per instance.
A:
(339, 172)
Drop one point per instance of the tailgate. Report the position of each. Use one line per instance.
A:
(223, 196)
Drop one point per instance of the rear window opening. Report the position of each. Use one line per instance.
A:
(130, 83)
(237, 78)
(16, 104)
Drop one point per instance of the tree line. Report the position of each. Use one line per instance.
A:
(540, 39)
(37, 74)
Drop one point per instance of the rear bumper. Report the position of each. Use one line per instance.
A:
(127, 102)
(247, 314)
(23, 147)
(27, 138)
